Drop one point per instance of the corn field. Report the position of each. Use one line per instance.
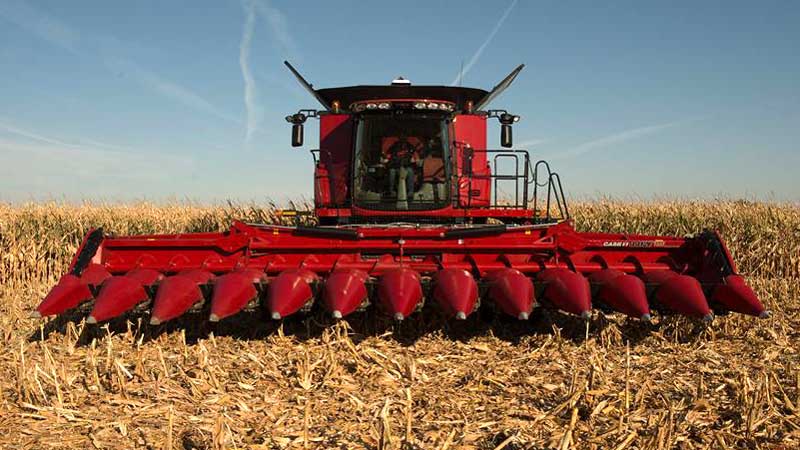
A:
(428, 384)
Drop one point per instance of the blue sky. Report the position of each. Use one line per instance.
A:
(186, 99)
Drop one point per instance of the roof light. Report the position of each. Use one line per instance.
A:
(384, 105)
(372, 105)
(400, 81)
(434, 105)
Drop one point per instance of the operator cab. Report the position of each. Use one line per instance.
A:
(401, 158)
(402, 152)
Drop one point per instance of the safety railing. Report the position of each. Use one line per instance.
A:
(511, 180)
(554, 200)
(516, 183)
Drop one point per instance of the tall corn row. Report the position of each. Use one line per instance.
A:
(764, 238)
(38, 240)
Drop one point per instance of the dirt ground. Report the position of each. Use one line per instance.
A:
(488, 383)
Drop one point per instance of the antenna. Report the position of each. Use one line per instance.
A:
(461, 73)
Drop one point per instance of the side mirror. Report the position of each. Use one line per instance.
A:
(297, 121)
(506, 136)
(297, 135)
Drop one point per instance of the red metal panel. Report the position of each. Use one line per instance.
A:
(470, 133)
(274, 249)
(336, 144)
(681, 270)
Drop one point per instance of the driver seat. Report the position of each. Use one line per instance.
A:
(433, 178)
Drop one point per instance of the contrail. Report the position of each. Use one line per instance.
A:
(88, 44)
(279, 26)
(252, 109)
(45, 27)
(617, 138)
(478, 53)
(531, 143)
(165, 87)
(7, 127)
(84, 145)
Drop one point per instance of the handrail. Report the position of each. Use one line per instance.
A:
(555, 191)
(526, 173)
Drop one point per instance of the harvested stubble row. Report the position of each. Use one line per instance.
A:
(365, 384)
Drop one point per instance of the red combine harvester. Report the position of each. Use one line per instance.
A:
(410, 205)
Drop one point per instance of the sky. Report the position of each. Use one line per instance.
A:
(153, 100)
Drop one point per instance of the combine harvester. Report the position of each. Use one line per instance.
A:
(410, 206)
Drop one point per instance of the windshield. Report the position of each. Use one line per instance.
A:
(401, 162)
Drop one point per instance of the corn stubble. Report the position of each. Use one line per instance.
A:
(427, 384)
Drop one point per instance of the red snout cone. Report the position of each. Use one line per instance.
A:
(456, 292)
(399, 291)
(344, 292)
(289, 292)
(512, 292)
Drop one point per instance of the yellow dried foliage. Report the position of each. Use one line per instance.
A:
(250, 383)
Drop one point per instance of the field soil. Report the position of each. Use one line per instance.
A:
(488, 383)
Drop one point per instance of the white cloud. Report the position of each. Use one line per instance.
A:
(479, 52)
(253, 110)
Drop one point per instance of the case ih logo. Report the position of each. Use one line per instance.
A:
(635, 244)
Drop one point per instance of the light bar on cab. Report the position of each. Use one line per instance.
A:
(434, 105)
(372, 106)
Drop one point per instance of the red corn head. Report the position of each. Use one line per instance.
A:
(622, 292)
(512, 292)
(400, 291)
(680, 293)
(94, 275)
(178, 293)
(289, 292)
(456, 292)
(567, 291)
(344, 292)
(67, 294)
(71, 291)
(735, 295)
(120, 294)
(232, 292)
